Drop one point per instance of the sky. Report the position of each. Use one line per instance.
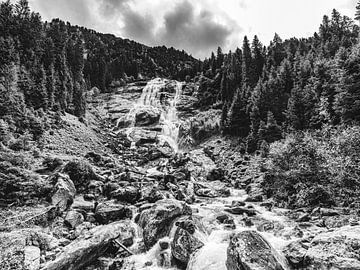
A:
(197, 27)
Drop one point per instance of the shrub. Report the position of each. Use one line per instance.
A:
(314, 168)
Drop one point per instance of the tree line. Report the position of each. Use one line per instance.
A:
(296, 84)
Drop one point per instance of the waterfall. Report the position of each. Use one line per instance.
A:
(151, 97)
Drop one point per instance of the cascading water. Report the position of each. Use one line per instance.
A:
(212, 256)
(151, 98)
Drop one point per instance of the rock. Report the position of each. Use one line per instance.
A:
(224, 218)
(142, 136)
(128, 194)
(81, 173)
(303, 217)
(295, 252)
(248, 250)
(337, 249)
(73, 219)
(152, 194)
(109, 212)
(164, 245)
(31, 258)
(156, 221)
(64, 192)
(147, 115)
(91, 246)
(216, 174)
(241, 210)
(183, 245)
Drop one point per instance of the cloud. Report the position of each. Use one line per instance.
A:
(195, 32)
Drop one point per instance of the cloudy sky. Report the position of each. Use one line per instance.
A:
(198, 27)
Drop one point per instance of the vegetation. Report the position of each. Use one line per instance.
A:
(315, 168)
(291, 85)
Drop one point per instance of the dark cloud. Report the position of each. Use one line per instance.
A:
(196, 33)
(138, 26)
(183, 27)
(113, 7)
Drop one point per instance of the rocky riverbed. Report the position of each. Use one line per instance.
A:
(147, 183)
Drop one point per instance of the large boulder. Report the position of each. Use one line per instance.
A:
(157, 221)
(64, 191)
(91, 246)
(109, 212)
(146, 116)
(81, 173)
(337, 249)
(248, 250)
(184, 244)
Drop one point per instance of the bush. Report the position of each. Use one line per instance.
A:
(315, 168)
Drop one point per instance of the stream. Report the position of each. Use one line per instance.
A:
(215, 236)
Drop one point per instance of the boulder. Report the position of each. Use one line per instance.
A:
(215, 174)
(337, 249)
(91, 246)
(81, 173)
(127, 194)
(183, 245)
(146, 116)
(73, 219)
(238, 210)
(110, 211)
(248, 250)
(64, 192)
(156, 221)
(143, 136)
(295, 252)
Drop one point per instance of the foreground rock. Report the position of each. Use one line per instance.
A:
(156, 222)
(248, 250)
(91, 246)
(184, 242)
(338, 249)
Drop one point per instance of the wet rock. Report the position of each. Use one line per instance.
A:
(164, 245)
(31, 258)
(127, 194)
(73, 219)
(295, 252)
(337, 249)
(184, 244)
(241, 210)
(157, 221)
(142, 136)
(216, 174)
(91, 246)
(147, 115)
(64, 192)
(249, 250)
(224, 218)
(109, 212)
(152, 194)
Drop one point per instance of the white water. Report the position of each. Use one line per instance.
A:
(212, 256)
(150, 98)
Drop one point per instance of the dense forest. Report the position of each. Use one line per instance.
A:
(49, 66)
(291, 85)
